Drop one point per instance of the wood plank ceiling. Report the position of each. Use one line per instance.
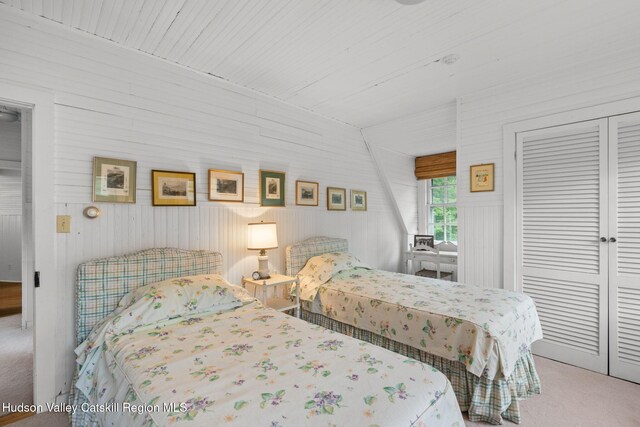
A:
(362, 62)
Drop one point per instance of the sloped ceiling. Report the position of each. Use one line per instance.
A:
(362, 62)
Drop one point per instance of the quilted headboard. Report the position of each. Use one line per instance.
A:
(100, 284)
(297, 254)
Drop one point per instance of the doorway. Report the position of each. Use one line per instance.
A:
(16, 294)
(37, 137)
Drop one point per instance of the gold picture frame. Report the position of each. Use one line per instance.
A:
(481, 177)
(307, 193)
(336, 199)
(114, 180)
(171, 188)
(358, 200)
(226, 186)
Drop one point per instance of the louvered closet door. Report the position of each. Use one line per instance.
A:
(624, 264)
(561, 262)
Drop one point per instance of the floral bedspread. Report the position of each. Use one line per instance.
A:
(255, 366)
(486, 329)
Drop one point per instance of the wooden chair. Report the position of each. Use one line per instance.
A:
(447, 247)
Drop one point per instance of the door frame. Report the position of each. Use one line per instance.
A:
(617, 367)
(509, 137)
(41, 103)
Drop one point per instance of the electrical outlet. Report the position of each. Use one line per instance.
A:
(63, 223)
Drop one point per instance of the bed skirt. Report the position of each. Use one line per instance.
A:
(483, 399)
(80, 418)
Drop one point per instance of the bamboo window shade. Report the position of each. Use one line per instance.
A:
(436, 165)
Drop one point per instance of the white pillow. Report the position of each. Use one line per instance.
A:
(180, 296)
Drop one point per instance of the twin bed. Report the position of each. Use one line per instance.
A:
(165, 340)
(479, 338)
(196, 350)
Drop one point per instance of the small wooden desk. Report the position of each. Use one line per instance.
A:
(447, 258)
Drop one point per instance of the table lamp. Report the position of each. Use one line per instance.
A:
(263, 236)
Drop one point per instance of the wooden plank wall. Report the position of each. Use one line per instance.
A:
(10, 248)
(10, 141)
(482, 115)
(116, 102)
(399, 141)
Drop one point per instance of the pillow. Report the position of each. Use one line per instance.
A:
(320, 269)
(166, 300)
(180, 296)
(156, 302)
(324, 267)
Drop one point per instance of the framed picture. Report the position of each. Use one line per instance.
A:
(336, 199)
(272, 188)
(481, 177)
(307, 193)
(421, 241)
(171, 188)
(226, 186)
(114, 180)
(358, 200)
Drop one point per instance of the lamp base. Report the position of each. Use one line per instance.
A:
(263, 266)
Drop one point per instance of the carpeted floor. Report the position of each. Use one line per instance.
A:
(16, 362)
(575, 397)
(571, 397)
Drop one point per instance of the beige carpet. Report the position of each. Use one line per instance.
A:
(16, 362)
(47, 419)
(571, 397)
(575, 397)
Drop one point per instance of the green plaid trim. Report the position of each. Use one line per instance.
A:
(484, 399)
(100, 284)
(81, 418)
(297, 254)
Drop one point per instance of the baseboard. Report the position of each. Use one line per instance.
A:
(13, 417)
(10, 311)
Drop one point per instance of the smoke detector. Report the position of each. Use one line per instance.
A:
(450, 59)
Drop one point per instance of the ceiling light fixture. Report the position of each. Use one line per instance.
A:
(8, 116)
(450, 59)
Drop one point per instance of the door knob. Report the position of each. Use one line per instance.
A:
(613, 240)
(603, 239)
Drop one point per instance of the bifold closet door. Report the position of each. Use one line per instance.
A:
(561, 218)
(624, 263)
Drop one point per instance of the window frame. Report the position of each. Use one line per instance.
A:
(425, 204)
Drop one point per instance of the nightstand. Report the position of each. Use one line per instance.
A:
(280, 302)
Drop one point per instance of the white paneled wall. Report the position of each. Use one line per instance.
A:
(399, 141)
(10, 141)
(112, 101)
(482, 116)
(10, 192)
(10, 255)
(430, 131)
(10, 223)
(397, 170)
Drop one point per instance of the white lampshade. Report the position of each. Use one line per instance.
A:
(262, 235)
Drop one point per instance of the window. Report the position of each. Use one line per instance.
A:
(442, 213)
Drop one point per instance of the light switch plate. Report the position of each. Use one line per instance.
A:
(63, 223)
